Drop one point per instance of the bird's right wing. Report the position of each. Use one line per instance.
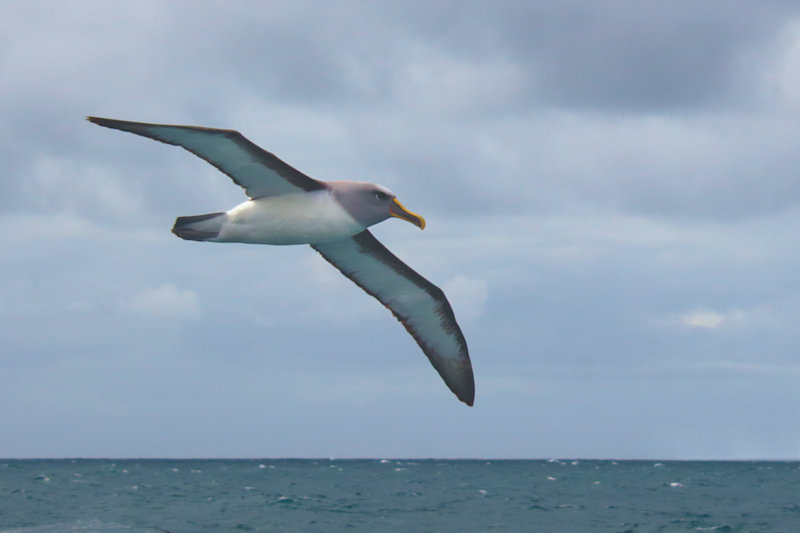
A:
(417, 303)
(259, 172)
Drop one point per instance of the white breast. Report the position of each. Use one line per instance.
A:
(302, 218)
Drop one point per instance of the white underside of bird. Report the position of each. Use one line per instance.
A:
(302, 218)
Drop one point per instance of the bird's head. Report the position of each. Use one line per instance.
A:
(369, 204)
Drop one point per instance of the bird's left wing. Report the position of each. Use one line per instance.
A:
(417, 303)
(259, 172)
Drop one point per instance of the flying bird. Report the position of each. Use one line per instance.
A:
(285, 206)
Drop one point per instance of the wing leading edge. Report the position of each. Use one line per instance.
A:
(259, 172)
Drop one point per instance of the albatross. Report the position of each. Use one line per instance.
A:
(285, 206)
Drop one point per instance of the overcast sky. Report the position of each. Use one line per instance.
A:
(612, 191)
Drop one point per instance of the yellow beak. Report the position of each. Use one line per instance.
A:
(397, 210)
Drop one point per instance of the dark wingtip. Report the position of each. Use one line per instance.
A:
(100, 121)
(464, 389)
(468, 397)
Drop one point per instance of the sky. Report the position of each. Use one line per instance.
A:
(612, 192)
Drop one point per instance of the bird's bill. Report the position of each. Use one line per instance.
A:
(397, 210)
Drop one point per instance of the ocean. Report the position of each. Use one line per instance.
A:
(331, 495)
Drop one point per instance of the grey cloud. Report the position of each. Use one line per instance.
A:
(629, 57)
(647, 56)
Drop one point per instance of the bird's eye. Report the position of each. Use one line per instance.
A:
(381, 196)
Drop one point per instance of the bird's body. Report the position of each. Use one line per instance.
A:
(288, 207)
(297, 218)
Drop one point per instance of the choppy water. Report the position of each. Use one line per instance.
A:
(44, 496)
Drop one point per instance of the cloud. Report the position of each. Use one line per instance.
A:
(767, 314)
(703, 319)
(165, 301)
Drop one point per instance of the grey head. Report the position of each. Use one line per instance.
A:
(369, 203)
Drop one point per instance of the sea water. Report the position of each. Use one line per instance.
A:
(45, 496)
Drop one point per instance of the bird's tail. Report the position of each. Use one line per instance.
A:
(199, 227)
